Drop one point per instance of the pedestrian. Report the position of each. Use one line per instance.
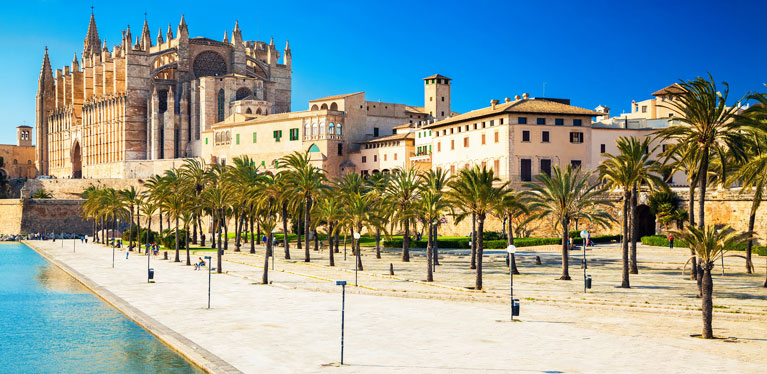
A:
(671, 241)
(126, 254)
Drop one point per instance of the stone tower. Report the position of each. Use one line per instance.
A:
(45, 103)
(23, 136)
(437, 96)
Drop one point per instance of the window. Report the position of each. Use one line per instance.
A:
(220, 105)
(492, 123)
(546, 167)
(497, 167)
(522, 120)
(526, 169)
(545, 137)
(206, 142)
(644, 108)
(452, 145)
(294, 133)
(338, 129)
(525, 136)
(254, 137)
(277, 134)
(483, 139)
(395, 157)
(559, 122)
(443, 98)
(340, 149)
(375, 132)
(452, 169)
(602, 148)
(500, 121)
(315, 129)
(236, 138)
(443, 114)
(475, 125)
(385, 156)
(576, 137)
(331, 128)
(575, 163)
(466, 142)
(496, 137)
(577, 122)
(375, 158)
(541, 121)
(393, 131)
(439, 147)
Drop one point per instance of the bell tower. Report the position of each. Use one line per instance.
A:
(437, 96)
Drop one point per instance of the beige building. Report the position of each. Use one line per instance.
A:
(18, 161)
(659, 107)
(518, 139)
(135, 109)
(343, 133)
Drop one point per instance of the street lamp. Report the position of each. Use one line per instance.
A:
(149, 271)
(511, 249)
(210, 265)
(356, 249)
(343, 302)
(586, 283)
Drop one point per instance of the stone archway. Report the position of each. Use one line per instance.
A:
(645, 221)
(77, 161)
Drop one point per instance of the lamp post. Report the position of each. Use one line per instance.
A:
(149, 274)
(113, 257)
(584, 236)
(74, 244)
(208, 258)
(343, 302)
(511, 249)
(356, 249)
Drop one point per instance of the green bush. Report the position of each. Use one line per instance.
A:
(169, 239)
(662, 241)
(463, 243)
(152, 235)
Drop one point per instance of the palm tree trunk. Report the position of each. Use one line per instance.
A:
(625, 240)
(161, 222)
(336, 240)
(215, 228)
(138, 230)
(565, 253)
(480, 249)
(93, 232)
(703, 176)
(252, 239)
(378, 243)
(176, 230)
(130, 230)
(749, 245)
(226, 231)
(330, 241)
(429, 263)
(298, 229)
(707, 303)
(265, 278)
(148, 231)
(202, 233)
(316, 240)
(435, 246)
(194, 231)
(307, 226)
(691, 219)
(473, 241)
(285, 241)
(186, 244)
(237, 230)
(358, 253)
(634, 232)
(219, 250)
(406, 241)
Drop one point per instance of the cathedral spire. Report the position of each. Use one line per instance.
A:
(237, 34)
(169, 35)
(146, 37)
(182, 30)
(159, 37)
(92, 42)
(75, 63)
(226, 37)
(46, 73)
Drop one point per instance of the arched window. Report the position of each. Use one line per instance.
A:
(338, 129)
(258, 111)
(331, 128)
(322, 128)
(248, 111)
(15, 161)
(315, 107)
(307, 129)
(220, 105)
(314, 129)
(228, 137)
(314, 148)
(333, 106)
(324, 107)
(242, 93)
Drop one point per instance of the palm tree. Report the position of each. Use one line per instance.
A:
(402, 192)
(565, 196)
(432, 206)
(510, 207)
(358, 214)
(175, 205)
(305, 180)
(707, 123)
(477, 185)
(710, 244)
(329, 209)
(214, 197)
(195, 174)
(130, 196)
(266, 195)
(376, 185)
(148, 207)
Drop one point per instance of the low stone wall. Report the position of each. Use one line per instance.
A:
(42, 215)
(73, 188)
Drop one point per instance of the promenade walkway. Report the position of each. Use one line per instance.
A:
(293, 325)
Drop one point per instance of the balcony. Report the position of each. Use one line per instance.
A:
(323, 137)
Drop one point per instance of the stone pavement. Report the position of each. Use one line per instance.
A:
(288, 327)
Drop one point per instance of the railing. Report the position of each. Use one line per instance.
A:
(324, 137)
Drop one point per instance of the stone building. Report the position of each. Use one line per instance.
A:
(125, 112)
(18, 161)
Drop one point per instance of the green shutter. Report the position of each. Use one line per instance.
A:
(206, 140)
(254, 137)
(263, 163)
(237, 138)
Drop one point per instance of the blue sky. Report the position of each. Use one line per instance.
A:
(597, 52)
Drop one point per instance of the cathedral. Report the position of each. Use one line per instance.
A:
(135, 110)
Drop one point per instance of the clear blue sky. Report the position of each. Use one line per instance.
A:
(601, 52)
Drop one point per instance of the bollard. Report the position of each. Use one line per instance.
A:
(165, 255)
(391, 269)
(537, 260)
(515, 308)
(588, 281)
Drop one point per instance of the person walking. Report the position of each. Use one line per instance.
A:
(671, 241)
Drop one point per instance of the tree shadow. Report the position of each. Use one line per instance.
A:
(451, 368)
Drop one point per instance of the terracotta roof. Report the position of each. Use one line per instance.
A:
(336, 96)
(673, 89)
(532, 106)
(436, 76)
(389, 138)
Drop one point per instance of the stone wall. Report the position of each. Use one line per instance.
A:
(41, 215)
(72, 188)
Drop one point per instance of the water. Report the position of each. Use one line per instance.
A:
(50, 323)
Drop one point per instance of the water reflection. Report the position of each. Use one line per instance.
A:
(50, 323)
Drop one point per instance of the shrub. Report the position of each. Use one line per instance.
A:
(142, 238)
(169, 239)
(662, 241)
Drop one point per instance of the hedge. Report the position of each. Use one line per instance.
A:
(152, 235)
(169, 240)
(463, 243)
(662, 241)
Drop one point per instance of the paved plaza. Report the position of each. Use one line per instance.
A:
(401, 324)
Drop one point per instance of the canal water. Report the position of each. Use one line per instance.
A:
(50, 323)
